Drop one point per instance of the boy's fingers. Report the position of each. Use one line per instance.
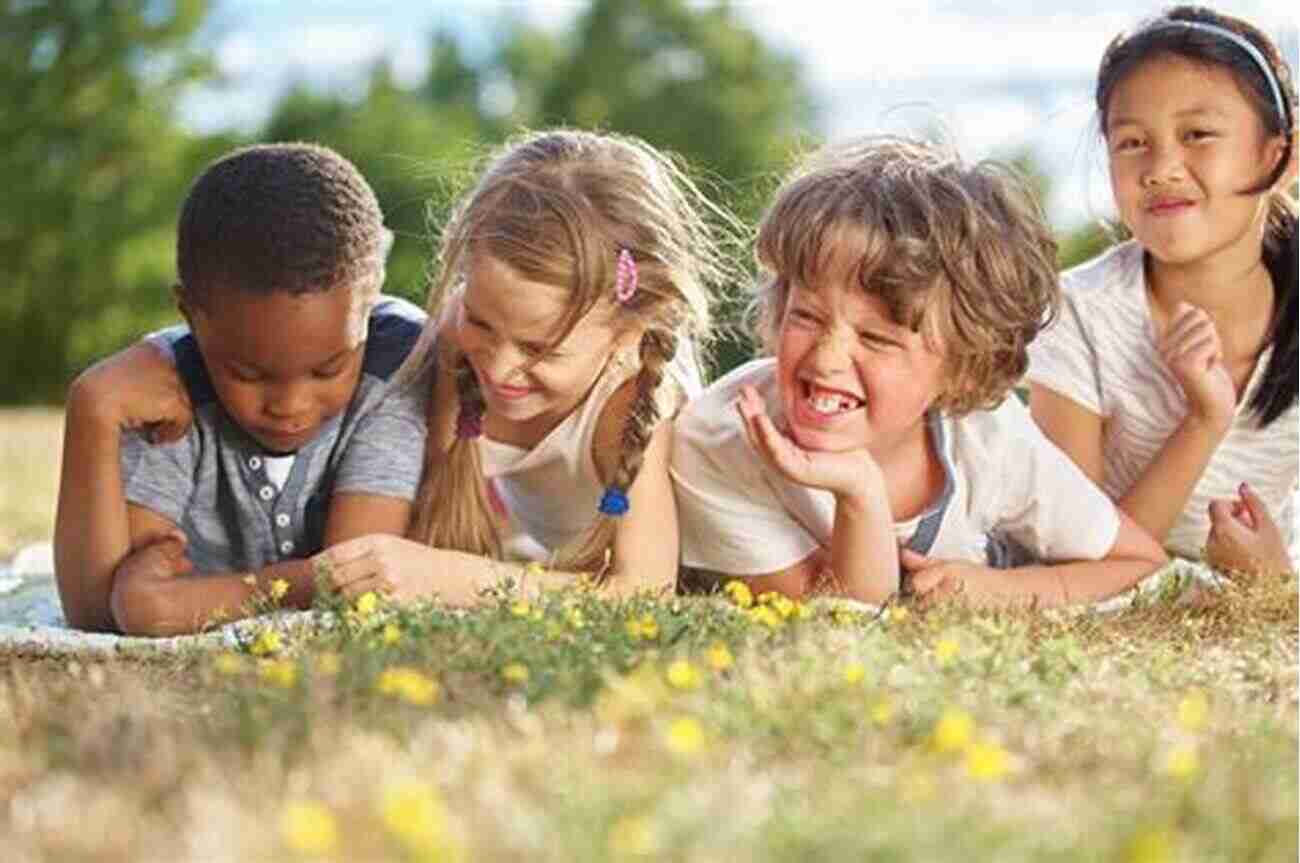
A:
(1255, 506)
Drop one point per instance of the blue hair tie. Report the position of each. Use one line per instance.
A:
(614, 502)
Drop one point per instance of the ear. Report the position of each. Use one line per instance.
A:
(1293, 164)
(185, 308)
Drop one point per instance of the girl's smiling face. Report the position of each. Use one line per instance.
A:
(1184, 143)
(850, 377)
(506, 326)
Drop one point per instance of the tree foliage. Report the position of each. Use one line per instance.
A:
(95, 163)
(93, 169)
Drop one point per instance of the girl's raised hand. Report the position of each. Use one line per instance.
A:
(843, 473)
(1244, 537)
(1191, 348)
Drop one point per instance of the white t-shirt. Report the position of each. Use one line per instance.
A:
(1102, 353)
(551, 492)
(740, 517)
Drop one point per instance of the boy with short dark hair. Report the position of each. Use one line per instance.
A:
(288, 342)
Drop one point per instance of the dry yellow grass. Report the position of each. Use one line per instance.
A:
(31, 440)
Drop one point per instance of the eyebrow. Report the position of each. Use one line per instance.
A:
(245, 366)
(1179, 115)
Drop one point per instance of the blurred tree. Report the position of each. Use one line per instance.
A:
(93, 169)
(694, 80)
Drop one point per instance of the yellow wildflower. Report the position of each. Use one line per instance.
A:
(575, 618)
(309, 828)
(645, 627)
(1153, 845)
(802, 612)
(1193, 710)
(987, 762)
(228, 663)
(953, 731)
(554, 631)
(521, 608)
(414, 815)
(632, 836)
(683, 675)
(882, 710)
(279, 587)
(895, 614)
(392, 633)
(740, 593)
(1182, 763)
(366, 604)
(533, 569)
(407, 684)
(278, 672)
(854, 673)
(765, 616)
(720, 658)
(266, 643)
(782, 605)
(685, 736)
(515, 672)
(946, 650)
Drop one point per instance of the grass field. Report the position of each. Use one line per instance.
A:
(30, 441)
(698, 729)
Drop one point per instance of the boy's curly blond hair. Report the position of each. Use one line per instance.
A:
(961, 250)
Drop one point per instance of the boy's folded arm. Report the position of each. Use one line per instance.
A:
(137, 388)
(152, 599)
(1132, 556)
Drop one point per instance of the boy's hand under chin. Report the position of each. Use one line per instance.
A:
(845, 474)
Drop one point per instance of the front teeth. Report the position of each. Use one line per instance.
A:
(831, 404)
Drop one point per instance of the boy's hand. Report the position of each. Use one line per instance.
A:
(1243, 536)
(852, 473)
(930, 580)
(1191, 349)
(140, 576)
(138, 388)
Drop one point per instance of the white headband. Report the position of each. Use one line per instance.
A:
(1244, 44)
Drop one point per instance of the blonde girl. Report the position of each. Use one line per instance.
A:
(1170, 376)
(573, 283)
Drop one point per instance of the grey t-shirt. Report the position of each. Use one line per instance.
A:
(213, 483)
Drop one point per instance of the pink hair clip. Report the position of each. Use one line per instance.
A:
(626, 280)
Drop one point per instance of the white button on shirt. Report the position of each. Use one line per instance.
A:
(254, 463)
(282, 519)
(286, 547)
(266, 492)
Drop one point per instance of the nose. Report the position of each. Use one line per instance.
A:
(501, 363)
(288, 400)
(831, 353)
(1164, 165)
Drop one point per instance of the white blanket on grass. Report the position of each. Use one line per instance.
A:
(32, 622)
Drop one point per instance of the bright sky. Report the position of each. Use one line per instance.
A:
(999, 77)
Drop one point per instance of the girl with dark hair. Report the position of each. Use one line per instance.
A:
(1170, 375)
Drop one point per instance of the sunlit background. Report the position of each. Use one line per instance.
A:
(109, 107)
